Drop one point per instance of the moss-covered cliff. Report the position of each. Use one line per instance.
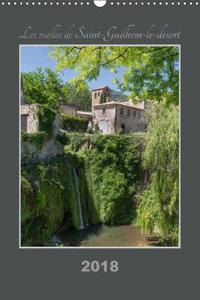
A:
(109, 173)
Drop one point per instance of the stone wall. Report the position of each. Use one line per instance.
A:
(132, 120)
(29, 118)
(116, 118)
(105, 119)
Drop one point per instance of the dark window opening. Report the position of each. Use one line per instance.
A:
(104, 111)
(123, 128)
(95, 95)
(128, 113)
(24, 119)
(121, 111)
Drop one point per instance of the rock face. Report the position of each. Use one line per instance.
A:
(30, 152)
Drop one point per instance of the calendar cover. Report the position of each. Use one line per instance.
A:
(99, 149)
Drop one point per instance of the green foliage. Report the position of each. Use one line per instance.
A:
(149, 72)
(77, 92)
(46, 87)
(71, 123)
(114, 163)
(103, 98)
(46, 118)
(36, 138)
(48, 195)
(44, 185)
(43, 87)
(27, 198)
(109, 170)
(159, 205)
(73, 140)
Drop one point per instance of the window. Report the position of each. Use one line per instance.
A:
(134, 113)
(98, 93)
(104, 111)
(123, 128)
(24, 121)
(139, 114)
(128, 112)
(121, 111)
(95, 95)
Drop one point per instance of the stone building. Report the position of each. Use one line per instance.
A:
(114, 117)
(101, 95)
(29, 115)
(29, 118)
(117, 116)
(108, 114)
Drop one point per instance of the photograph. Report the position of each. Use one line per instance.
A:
(99, 146)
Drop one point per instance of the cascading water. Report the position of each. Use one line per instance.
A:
(78, 199)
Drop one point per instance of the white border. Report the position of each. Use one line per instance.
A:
(124, 45)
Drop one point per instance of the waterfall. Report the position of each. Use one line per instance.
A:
(78, 199)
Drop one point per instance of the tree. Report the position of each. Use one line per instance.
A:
(46, 88)
(159, 206)
(77, 92)
(43, 87)
(149, 72)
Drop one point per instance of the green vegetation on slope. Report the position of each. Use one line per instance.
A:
(108, 175)
(115, 175)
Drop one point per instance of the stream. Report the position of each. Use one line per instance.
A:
(104, 236)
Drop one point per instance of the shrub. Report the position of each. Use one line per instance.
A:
(46, 118)
(71, 123)
(74, 140)
(36, 138)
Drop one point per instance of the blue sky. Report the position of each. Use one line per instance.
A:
(33, 57)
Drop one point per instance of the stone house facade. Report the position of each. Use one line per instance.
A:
(115, 116)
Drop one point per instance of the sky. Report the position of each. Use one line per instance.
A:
(32, 57)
